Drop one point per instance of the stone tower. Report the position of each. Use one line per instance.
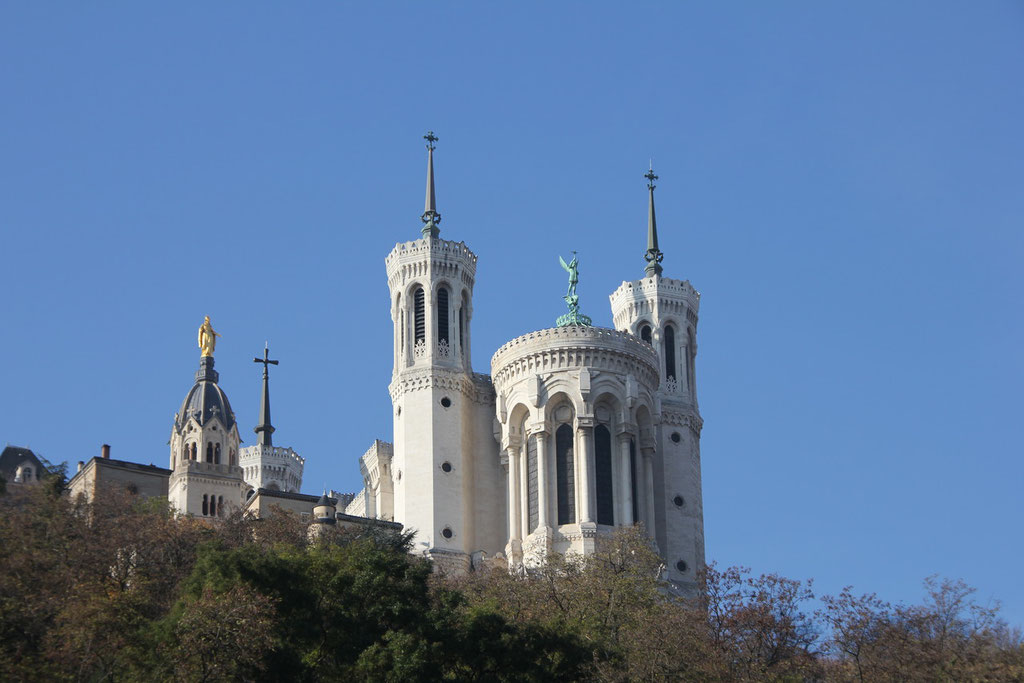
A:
(445, 470)
(206, 480)
(265, 465)
(663, 313)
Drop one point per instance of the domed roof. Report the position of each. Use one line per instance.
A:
(206, 400)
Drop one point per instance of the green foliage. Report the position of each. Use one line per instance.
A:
(122, 589)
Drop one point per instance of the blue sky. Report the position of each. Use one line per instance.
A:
(841, 182)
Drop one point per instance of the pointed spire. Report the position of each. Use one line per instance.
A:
(430, 215)
(264, 428)
(653, 255)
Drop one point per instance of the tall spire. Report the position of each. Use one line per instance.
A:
(430, 215)
(264, 428)
(653, 255)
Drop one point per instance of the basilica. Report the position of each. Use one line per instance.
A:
(575, 430)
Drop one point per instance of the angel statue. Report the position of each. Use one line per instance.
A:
(574, 276)
(207, 337)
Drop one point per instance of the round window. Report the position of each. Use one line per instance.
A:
(446, 466)
(675, 437)
(447, 532)
(681, 566)
(446, 402)
(678, 500)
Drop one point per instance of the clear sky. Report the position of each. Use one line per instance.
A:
(841, 181)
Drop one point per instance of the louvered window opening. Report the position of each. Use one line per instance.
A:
(419, 322)
(442, 315)
(670, 352)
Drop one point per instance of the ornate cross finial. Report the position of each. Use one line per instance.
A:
(653, 255)
(264, 428)
(650, 177)
(431, 139)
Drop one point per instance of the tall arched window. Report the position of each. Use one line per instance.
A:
(209, 452)
(213, 506)
(565, 475)
(603, 467)
(419, 322)
(442, 315)
(670, 352)
(645, 333)
(531, 484)
(206, 505)
(216, 454)
(462, 327)
(220, 506)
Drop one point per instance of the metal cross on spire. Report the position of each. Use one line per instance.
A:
(653, 256)
(264, 428)
(430, 215)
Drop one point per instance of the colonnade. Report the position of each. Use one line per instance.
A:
(628, 454)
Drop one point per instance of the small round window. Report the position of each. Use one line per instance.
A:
(446, 466)
(676, 437)
(447, 532)
(681, 566)
(446, 402)
(678, 500)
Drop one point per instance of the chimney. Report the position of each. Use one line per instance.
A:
(80, 463)
(106, 451)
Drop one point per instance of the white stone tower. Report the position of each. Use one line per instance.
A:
(265, 465)
(445, 473)
(663, 312)
(206, 480)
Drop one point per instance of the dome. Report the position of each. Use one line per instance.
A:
(206, 400)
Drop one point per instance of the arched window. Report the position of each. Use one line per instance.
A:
(231, 458)
(213, 506)
(603, 466)
(670, 352)
(565, 475)
(206, 505)
(220, 506)
(531, 483)
(442, 315)
(645, 333)
(462, 327)
(209, 452)
(419, 322)
(216, 454)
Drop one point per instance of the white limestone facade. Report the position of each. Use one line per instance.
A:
(276, 468)
(663, 313)
(445, 470)
(576, 410)
(205, 479)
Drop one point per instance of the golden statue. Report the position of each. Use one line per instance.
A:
(207, 337)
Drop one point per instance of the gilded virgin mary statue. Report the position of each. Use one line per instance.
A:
(207, 337)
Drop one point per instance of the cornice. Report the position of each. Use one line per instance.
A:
(477, 387)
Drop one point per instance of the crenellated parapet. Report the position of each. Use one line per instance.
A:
(636, 300)
(430, 257)
(562, 348)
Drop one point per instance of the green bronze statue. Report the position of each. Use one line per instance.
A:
(572, 300)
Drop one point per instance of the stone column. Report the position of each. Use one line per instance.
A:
(648, 467)
(542, 479)
(524, 495)
(585, 435)
(625, 482)
(514, 528)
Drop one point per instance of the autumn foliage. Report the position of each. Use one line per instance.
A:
(124, 590)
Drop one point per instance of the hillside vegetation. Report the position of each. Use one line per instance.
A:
(122, 590)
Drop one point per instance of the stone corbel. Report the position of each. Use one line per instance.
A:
(585, 384)
(533, 386)
(627, 429)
